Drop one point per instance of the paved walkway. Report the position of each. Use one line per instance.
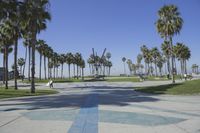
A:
(101, 107)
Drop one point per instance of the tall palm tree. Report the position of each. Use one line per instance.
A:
(166, 51)
(129, 62)
(25, 43)
(155, 55)
(62, 61)
(139, 60)
(124, 60)
(40, 47)
(35, 15)
(108, 55)
(182, 53)
(12, 17)
(169, 24)
(69, 60)
(5, 50)
(82, 66)
(77, 58)
(21, 63)
(7, 41)
(49, 55)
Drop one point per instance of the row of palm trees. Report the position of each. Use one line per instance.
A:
(195, 68)
(169, 23)
(21, 19)
(54, 60)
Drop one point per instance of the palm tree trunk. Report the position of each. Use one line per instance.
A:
(124, 69)
(172, 60)
(61, 71)
(15, 63)
(74, 70)
(109, 71)
(90, 68)
(6, 67)
(168, 66)
(48, 67)
(45, 66)
(54, 71)
(24, 64)
(40, 65)
(29, 63)
(185, 64)
(82, 74)
(33, 64)
(77, 71)
(156, 68)
(69, 70)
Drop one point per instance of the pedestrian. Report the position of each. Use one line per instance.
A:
(51, 83)
(185, 76)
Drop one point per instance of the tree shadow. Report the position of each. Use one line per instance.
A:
(107, 95)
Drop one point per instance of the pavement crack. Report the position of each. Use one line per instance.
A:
(10, 121)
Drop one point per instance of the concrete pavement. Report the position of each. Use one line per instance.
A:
(101, 107)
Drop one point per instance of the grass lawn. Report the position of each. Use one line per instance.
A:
(55, 81)
(186, 88)
(10, 93)
(122, 79)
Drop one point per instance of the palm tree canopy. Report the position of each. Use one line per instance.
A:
(123, 59)
(169, 22)
(108, 55)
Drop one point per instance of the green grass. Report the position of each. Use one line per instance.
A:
(55, 81)
(11, 93)
(186, 88)
(153, 78)
(122, 79)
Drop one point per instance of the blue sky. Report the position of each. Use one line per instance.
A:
(121, 26)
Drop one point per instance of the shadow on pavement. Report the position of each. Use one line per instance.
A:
(107, 95)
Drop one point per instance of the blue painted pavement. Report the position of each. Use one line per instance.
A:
(87, 119)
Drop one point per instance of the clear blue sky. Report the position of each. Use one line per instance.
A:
(121, 26)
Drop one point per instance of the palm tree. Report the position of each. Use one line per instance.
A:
(159, 64)
(129, 62)
(144, 51)
(82, 66)
(182, 53)
(49, 54)
(69, 60)
(139, 60)
(108, 55)
(40, 49)
(168, 24)
(35, 15)
(166, 51)
(77, 60)
(26, 45)
(6, 50)
(21, 63)
(7, 42)
(155, 55)
(195, 68)
(62, 61)
(109, 64)
(123, 60)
